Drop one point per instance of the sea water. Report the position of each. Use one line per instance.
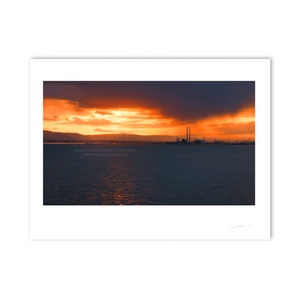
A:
(157, 174)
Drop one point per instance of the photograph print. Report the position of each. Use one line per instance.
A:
(149, 143)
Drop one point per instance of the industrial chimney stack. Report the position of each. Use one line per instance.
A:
(187, 134)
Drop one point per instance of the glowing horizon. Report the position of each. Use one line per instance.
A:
(147, 115)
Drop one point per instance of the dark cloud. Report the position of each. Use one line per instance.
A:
(182, 100)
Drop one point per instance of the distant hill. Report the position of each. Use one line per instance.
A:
(50, 136)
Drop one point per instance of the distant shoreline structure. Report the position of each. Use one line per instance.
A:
(133, 139)
(111, 143)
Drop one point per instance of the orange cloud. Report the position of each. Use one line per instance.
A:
(88, 122)
(102, 130)
(236, 128)
(67, 116)
(102, 112)
(63, 108)
(227, 127)
(49, 118)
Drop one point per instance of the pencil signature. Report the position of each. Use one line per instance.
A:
(241, 226)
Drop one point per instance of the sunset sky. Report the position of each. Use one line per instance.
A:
(224, 110)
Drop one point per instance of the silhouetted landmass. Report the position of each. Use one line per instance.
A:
(50, 136)
(60, 137)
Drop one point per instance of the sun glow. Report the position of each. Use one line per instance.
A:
(67, 116)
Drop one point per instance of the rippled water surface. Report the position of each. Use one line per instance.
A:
(149, 174)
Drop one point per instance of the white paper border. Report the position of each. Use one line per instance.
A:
(151, 222)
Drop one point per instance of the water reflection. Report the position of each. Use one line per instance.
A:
(153, 174)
